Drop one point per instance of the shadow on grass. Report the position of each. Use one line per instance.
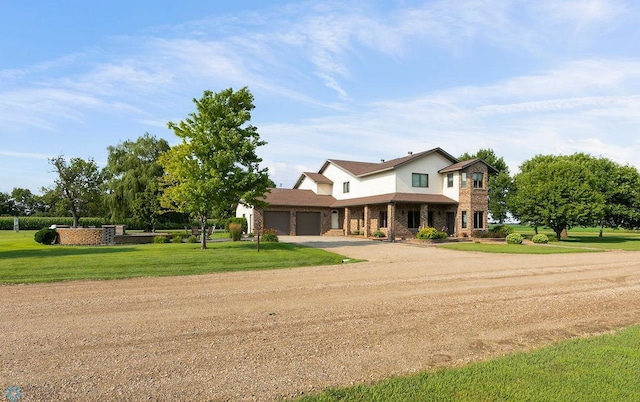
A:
(61, 251)
(601, 240)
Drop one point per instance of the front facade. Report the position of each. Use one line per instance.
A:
(396, 198)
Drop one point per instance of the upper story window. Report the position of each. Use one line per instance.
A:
(477, 180)
(450, 180)
(345, 187)
(419, 180)
(463, 179)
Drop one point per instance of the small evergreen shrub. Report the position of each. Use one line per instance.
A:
(540, 238)
(45, 236)
(235, 231)
(192, 239)
(177, 237)
(160, 239)
(270, 236)
(355, 233)
(429, 233)
(514, 238)
(500, 231)
(378, 234)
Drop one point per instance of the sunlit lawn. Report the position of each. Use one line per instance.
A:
(22, 260)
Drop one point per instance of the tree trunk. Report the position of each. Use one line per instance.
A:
(76, 218)
(535, 229)
(203, 232)
(601, 227)
(558, 232)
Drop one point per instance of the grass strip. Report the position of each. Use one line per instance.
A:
(602, 368)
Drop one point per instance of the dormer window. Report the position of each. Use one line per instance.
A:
(419, 180)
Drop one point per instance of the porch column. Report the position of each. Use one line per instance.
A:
(391, 216)
(347, 221)
(367, 221)
(424, 215)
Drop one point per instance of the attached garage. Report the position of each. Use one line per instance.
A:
(307, 223)
(278, 220)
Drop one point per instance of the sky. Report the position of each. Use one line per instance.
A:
(358, 80)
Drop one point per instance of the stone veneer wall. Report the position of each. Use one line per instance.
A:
(473, 199)
(80, 236)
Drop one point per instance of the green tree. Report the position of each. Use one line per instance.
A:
(52, 204)
(556, 191)
(79, 182)
(133, 175)
(7, 206)
(24, 201)
(498, 182)
(215, 166)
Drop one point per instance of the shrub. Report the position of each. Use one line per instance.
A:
(45, 236)
(378, 234)
(160, 239)
(355, 232)
(270, 235)
(514, 238)
(192, 239)
(177, 237)
(500, 231)
(429, 233)
(540, 238)
(242, 221)
(235, 231)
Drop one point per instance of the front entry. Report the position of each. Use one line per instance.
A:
(451, 223)
(335, 219)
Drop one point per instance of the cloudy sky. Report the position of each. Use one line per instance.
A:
(362, 80)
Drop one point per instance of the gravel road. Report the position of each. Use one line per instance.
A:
(274, 334)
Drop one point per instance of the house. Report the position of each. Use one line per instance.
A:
(396, 197)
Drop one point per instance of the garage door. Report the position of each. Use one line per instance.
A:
(278, 220)
(308, 223)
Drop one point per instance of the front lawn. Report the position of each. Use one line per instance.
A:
(25, 261)
(517, 248)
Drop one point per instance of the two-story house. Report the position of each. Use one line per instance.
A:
(396, 197)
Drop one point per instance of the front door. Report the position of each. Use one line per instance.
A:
(335, 219)
(451, 223)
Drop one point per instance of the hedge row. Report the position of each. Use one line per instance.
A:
(37, 223)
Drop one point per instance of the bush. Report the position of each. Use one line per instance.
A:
(514, 238)
(355, 233)
(235, 231)
(270, 235)
(500, 231)
(45, 236)
(160, 239)
(177, 237)
(430, 233)
(540, 238)
(192, 239)
(242, 221)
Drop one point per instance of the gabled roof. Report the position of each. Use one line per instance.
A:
(361, 169)
(464, 165)
(316, 177)
(297, 197)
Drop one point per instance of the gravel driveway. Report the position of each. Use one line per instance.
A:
(272, 334)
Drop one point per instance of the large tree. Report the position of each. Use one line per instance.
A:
(557, 191)
(133, 174)
(7, 206)
(215, 165)
(24, 201)
(498, 182)
(79, 182)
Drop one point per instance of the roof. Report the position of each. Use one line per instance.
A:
(409, 198)
(297, 197)
(316, 177)
(464, 165)
(360, 169)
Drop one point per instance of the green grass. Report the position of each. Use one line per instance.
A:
(603, 368)
(22, 260)
(515, 248)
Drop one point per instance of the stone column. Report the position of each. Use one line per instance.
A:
(391, 216)
(424, 215)
(347, 221)
(367, 221)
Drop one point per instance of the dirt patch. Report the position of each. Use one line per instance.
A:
(265, 335)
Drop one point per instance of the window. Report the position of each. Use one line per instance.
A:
(478, 220)
(383, 219)
(450, 180)
(463, 180)
(477, 180)
(345, 187)
(419, 180)
(413, 219)
(464, 219)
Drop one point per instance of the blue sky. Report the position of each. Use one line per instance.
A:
(361, 80)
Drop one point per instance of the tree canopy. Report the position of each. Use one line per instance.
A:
(133, 173)
(79, 183)
(216, 165)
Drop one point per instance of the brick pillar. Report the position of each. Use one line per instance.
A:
(391, 215)
(347, 221)
(424, 215)
(367, 221)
